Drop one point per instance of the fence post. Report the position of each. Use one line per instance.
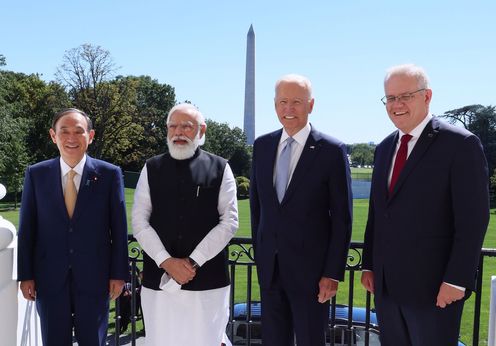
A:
(492, 314)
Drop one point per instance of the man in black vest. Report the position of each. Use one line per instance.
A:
(184, 214)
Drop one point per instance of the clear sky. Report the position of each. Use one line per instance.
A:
(199, 47)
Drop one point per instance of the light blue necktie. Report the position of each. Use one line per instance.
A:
(282, 169)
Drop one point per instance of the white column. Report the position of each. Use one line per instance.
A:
(8, 285)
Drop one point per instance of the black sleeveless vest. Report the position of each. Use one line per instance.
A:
(184, 196)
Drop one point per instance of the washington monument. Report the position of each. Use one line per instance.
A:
(249, 120)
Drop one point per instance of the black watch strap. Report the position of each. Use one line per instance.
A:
(193, 263)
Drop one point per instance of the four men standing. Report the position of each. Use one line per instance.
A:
(427, 218)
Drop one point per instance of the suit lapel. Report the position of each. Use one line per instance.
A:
(385, 166)
(427, 137)
(309, 153)
(55, 178)
(89, 178)
(271, 160)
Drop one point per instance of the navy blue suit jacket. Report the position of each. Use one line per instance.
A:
(93, 244)
(431, 228)
(310, 229)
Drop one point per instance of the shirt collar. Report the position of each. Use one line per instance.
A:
(300, 137)
(417, 131)
(64, 167)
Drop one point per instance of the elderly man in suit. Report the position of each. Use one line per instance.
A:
(72, 236)
(301, 218)
(427, 218)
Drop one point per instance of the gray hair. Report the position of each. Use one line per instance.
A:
(409, 70)
(187, 108)
(295, 78)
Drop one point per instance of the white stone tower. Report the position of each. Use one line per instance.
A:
(249, 119)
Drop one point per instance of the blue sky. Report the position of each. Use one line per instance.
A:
(199, 48)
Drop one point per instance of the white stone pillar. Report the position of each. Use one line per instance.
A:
(8, 284)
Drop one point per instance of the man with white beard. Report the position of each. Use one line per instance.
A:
(184, 214)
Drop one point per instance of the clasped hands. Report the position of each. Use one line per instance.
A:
(180, 269)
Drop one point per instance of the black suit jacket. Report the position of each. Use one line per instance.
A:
(310, 229)
(431, 228)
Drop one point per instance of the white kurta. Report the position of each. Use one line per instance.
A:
(185, 318)
(178, 317)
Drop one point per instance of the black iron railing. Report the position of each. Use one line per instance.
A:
(347, 323)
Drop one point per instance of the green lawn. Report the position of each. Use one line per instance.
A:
(361, 170)
(360, 208)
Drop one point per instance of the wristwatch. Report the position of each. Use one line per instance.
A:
(193, 263)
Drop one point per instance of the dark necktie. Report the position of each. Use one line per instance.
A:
(400, 160)
(282, 169)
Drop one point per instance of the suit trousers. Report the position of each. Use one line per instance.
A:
(417, 325)
(286, 312)
(70, 308)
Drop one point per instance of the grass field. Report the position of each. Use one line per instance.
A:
(360, 209)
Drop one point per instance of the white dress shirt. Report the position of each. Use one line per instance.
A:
(65, 168)
(216, 239)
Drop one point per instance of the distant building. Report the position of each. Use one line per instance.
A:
(249, 119)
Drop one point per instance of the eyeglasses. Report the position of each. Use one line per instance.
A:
(387, 100)
(186, 126)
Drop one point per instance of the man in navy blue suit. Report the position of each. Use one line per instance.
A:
(301, 215)
(72, 236)
(426, 220)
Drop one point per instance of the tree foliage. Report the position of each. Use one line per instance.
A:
(86, 72)
(242, 186)
(230, 143)
(481, 121)
(14, 156)
(361, 154)
(128, 112)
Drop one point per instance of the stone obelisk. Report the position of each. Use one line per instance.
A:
(249, 120)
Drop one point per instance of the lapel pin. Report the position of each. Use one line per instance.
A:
(312, 147)
(430, 134)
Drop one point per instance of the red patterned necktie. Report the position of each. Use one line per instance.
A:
(400, 160)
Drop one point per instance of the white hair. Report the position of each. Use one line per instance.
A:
(409, 70)
(296, 78)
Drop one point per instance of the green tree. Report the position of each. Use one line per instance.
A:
(30, 98)
(86, 72)
(242, 186)
(362, 154)
(14, 156)
(2, 60)
(230, 143)
(480, 120)
(151, 101)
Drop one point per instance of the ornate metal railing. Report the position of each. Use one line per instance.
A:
(347, 323)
